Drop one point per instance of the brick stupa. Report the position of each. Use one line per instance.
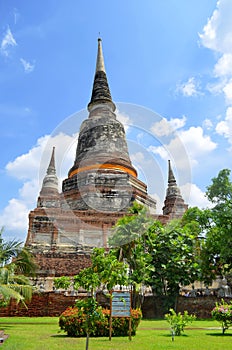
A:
(101, 185)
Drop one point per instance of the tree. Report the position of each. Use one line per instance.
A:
(14, 261)
(105, 271)
(128, 242)
(219, 237)
(163, 257)
(129, 228)
(214, 228)
(201, 223)
(173, 256)
(220, 191)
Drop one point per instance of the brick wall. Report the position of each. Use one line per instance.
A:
(156, 307)
(200, 306)
(53, 304)
(61, 264)
(43, 304)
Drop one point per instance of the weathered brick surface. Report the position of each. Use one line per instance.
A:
(200, 306)
(53, 304)
(60, 264)
(43, 304)
(155, 307)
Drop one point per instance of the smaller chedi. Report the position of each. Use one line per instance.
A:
(101, 185)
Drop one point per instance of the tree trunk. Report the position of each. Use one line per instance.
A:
(87, 341)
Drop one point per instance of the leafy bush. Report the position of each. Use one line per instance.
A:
(73, 321)
(223, 313)
(178, 321)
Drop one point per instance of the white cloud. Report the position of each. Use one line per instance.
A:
(30, 168)
(207, 124)
(223, 66)
(189, 88)
(124, 119)
(137, 157)
(178, 123)
(165, 127)
(29, 191)
(193, 141)
(217, 87)
(26, 166)
(227, 89)
(159, 203)
(217, 36)
(191, 194)
(224, 127)
(143, 163)
(28, 67)
(7, 41)
(217, 33)
(194, 196)
(16, 15)
(161, 151)
(15, 216)
(196, 142)
(33, 164)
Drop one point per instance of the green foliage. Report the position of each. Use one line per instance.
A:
(24, 263)
(222, 313)
(14, 262)
(160, 256)
(129, 228)
(14, 286)
(105, 271)
(8, 250)
(62, 282)
(87, 316)
(200, 223)
(136, 208)
(218, 242)
(172, 249)
(178, 321)
(128, 240)
(220, 191)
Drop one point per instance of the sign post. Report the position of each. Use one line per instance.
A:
(120, 306)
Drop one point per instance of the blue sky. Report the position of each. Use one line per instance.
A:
(168, 65)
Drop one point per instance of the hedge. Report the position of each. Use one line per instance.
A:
(72, 322)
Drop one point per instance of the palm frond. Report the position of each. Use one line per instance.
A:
(7, 292)
(24, 263)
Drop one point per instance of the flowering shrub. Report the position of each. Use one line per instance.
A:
(73, 320)
(178, 321)
(223, 313)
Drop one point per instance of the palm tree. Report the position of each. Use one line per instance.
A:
(16, 265)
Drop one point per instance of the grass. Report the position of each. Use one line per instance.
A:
(42, 333)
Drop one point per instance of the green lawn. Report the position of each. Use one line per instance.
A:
(43, 333)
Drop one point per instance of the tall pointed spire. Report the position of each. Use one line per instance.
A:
(51, 168)
(174, 204)
(100, 92)
(100, 66)
(49, 193)
(172, 186)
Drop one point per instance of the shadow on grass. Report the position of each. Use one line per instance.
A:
(62, 336)
(4, 327)
(219, 334)
(176, 337)
(100, 339)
